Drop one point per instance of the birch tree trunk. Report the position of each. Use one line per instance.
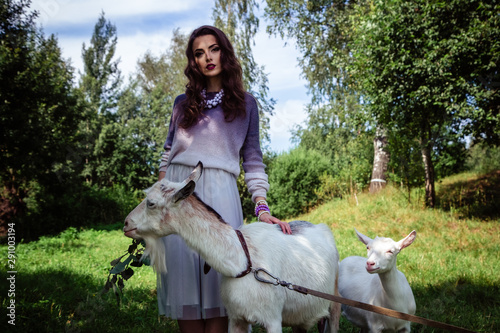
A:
(380, 161)
(430, 192)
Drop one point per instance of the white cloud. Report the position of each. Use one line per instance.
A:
(58, 12)
(133, 47)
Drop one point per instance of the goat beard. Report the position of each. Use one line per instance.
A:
(155, 250)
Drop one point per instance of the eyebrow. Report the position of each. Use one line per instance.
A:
(210, 47)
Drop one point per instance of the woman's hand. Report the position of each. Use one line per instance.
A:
(268, 218)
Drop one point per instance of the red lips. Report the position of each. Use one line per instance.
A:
(210, 66)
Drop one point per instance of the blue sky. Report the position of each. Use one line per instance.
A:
(148, 25)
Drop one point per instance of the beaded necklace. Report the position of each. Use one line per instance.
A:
(214, 101)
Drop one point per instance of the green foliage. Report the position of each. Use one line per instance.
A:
(427, 71)
(121, 271)
(321, 29)
(483, 158)
(39, 111)
(421, 65)
(472, 195)
(336, 133)
(101, 79)
(419, 61)
(100, 83)
(295, 178)
(76, 206)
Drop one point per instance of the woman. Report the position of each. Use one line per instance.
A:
(215, 122)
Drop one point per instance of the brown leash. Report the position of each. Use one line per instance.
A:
(360, 305)
(247, 254)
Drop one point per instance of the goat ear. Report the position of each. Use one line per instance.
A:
(196, 173)
(184, 192)
(363, 238)
(405, 242)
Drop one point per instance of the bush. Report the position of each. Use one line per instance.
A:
(77, 207)
(483, 159)
(295, 177)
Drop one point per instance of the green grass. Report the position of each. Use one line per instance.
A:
(452, 266)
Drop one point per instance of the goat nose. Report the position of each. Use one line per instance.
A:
(126, 223)
(370, 263)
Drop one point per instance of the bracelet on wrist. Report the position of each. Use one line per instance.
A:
(261, 202)
(260, 208)
(262, 213)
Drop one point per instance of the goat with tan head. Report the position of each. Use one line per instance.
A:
(308, 257)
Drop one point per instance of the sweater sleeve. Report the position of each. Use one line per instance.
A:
(253, 165)
(170, 138)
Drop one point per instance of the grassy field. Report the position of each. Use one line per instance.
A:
(452, 266)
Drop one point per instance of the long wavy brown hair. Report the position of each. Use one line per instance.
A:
(233, 102)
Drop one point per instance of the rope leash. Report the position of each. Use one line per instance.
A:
(360, 305)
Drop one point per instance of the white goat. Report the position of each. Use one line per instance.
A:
(377, 281)
(308, 257)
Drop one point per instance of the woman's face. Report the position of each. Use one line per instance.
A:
(207, 55)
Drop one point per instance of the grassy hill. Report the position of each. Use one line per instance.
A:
(452, 265)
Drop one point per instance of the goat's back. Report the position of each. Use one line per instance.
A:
(310, 248)
(308, 258)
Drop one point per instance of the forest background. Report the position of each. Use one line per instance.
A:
(401, 92)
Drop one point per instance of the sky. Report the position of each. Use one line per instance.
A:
(148, 25)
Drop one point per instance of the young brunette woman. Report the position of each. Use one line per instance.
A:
(215, 122)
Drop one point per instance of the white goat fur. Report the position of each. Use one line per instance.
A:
(308, 258)
(377, 281)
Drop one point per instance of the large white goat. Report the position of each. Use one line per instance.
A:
(377, 281)
(308, 257)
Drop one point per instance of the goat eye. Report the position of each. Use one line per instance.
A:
(150, 203)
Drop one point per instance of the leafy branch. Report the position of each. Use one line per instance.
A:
(121, 269)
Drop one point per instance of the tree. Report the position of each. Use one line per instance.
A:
(322, 30)
(331, 131)
(380, 161)
(160, 80)
(421, 65)
(136, 139)
(100, 83)
(101, 77)
(336, 117)
(39, 114)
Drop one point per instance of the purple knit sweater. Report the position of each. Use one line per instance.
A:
(219, 144)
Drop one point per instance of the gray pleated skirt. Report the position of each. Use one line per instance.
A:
(185, 292)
